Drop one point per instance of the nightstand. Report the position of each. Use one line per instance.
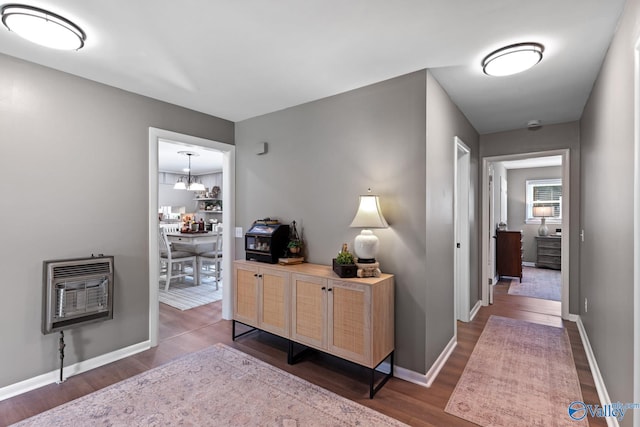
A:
(548, 252)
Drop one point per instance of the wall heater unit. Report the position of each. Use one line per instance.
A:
(77, 292)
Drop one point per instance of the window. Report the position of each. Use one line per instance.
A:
(544, 192)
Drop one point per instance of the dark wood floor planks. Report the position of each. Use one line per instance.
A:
(192, 330)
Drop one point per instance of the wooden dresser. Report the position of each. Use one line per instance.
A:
(548, 252)
(509, 254)
(309, 305)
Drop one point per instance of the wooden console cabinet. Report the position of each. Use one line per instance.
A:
(548, 252)
(509, 254)
(310, 305)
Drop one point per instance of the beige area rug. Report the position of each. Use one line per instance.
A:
(541, 283)
(218, 386)
(519, 374)
(185, 295)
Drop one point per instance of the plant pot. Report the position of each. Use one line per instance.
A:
(344, 270)
(294, 250)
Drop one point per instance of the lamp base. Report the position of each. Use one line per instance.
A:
(366, 261)
(543, 230)
(365, 246)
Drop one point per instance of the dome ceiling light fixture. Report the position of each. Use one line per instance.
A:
(512, 59)
(43, 27)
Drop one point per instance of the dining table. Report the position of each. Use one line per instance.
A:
(194, 242)
(195, 239)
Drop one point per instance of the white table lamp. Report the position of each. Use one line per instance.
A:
(543, 212)
(368, 216)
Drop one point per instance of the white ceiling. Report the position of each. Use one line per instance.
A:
(240, 59)
(203, 161)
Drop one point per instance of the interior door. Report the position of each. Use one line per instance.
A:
(491, 232)
(462, 237)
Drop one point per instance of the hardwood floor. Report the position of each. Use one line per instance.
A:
(192, 330)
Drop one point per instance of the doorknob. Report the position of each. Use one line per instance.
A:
(458, 245)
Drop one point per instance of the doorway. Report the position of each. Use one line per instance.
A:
(489, 224)
(228, 215)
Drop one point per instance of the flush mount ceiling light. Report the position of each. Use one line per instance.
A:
(512, 59)
(42, 27)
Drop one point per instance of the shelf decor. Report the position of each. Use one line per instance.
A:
(344, 264)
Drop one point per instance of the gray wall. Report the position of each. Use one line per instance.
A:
(517, 205)
(82, 149)
(325, 153)
(444, 121)
(549, 137)
(606, 264)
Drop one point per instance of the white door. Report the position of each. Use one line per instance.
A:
(491, 232)
(462, 243)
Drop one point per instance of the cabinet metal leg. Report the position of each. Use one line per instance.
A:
(293, 358)
(233, 330)
(374, 389)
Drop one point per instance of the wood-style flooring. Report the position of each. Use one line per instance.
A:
(195, 329)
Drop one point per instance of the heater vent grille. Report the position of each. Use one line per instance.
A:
(71, 270)
(77, 292)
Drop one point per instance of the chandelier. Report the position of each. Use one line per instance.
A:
(191, 184)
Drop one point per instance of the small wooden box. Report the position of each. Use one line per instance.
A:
(345, 270)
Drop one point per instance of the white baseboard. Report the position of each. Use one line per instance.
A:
(572, 318)
(77, 368)
(410, 376)
(427, 379)
(603, 395)
(475, 310)
(528, 264)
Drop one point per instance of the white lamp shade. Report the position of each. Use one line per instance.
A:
(369, 214)
(542, 211)
(180, 185)
(196, 186)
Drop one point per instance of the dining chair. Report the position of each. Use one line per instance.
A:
(176, 258)
(171, 227)
(210, 262)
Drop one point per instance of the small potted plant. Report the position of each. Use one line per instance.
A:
(344, 263)
(294, 246)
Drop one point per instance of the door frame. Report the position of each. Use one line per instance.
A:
(636, 229)
(228, 219)
(462, 229)
(566, 222)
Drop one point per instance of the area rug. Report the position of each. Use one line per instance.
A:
(186, 295)
(537, 283)
(218, 386)
(519, 374)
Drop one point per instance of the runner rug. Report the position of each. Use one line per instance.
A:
(217, 386)
(537, 283)
(519, 374)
